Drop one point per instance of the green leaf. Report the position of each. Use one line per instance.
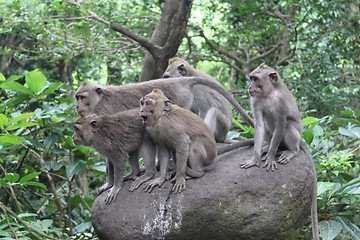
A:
(4, 121)
(51, 140)
(2, 78)
(35, 184)
(20, 125)
(10, 139)
(29, 177)
(15, 86)
(46, 223)
(309, 120)
(237, 123)
(329, 229)
(21, 117)
(83, 227)
(308, 136)
(12, 177)
(324, 187)
(35, 80)
(75, 167)
(15, 77)
(349, 227)
(348, 113)
(352, 132)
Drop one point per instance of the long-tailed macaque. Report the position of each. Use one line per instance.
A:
(218, 114)
(173, 128)
(91, 97)
(118, 137)
(278, 121)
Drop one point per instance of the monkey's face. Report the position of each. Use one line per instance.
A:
(87, 99)
(82, 134)
(153, 106)
(148, 111)
(175, 71)
(255, 87)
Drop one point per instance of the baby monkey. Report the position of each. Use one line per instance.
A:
(176, 129)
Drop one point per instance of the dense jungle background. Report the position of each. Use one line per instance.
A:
(48, 48)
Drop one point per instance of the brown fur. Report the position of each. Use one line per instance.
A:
(117, 137)
(176, 129)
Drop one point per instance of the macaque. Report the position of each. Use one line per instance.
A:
(94, 98)
(277, 121)
(173, 128)
(217, 115)
(118, 137)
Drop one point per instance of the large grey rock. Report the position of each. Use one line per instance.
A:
(227, 203)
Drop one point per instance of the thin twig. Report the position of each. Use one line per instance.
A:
(8, 221)
(30, 229)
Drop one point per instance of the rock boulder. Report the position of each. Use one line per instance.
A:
(227, 203)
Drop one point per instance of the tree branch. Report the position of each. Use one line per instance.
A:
(30, 229)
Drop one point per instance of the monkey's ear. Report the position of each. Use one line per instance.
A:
(94, 125)
(167, 105)
(99, 91)
(273, 76)
(182, 69)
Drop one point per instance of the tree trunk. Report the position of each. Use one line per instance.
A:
(173, 21)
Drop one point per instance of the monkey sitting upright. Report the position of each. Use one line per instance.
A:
(278, 121)
(119, 138)
(173, 128)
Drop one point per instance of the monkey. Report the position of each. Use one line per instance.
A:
(278, 121)
(118, 137)
(91, 97)
(218, 114)
(176, 129)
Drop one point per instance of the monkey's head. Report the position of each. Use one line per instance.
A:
(153, 106)
(177, 68)
(84, 130)
(87, 97)
(263, 80)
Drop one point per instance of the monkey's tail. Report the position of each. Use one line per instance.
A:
(222, 91)
(314, 214)
(235, 145)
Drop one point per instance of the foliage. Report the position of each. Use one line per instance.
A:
(336, 154)
(39, 161)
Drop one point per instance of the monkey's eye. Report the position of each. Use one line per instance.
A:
(148, 103)
(75, 128)
(254, 78)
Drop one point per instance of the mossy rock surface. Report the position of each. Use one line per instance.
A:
(227, 203)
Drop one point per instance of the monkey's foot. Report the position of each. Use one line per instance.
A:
(249, 163)
(130, 176)
(179, 185)
(114, 191)
(103, 188)
(286, 156)
(140, 180)
(152, 183)
(270, 164)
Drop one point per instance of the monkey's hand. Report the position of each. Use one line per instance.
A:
(179, 185)
(103, 188)
(270, 164)
(112, 194)
(250, 163)
(152, 183)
